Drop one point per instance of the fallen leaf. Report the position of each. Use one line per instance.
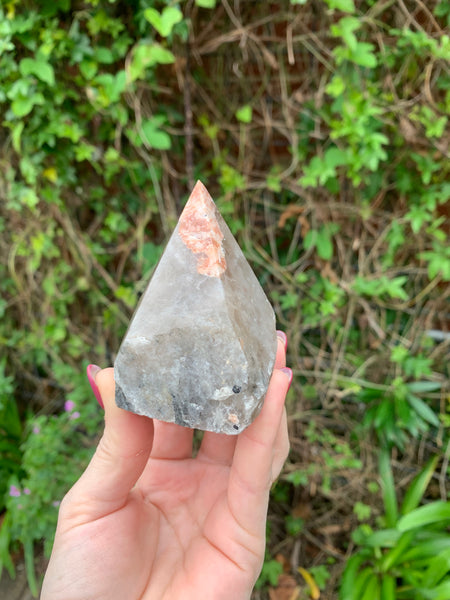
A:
(314, 591)
(287, 589)
(292, 210)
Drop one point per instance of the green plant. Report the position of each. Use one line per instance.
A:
(334, 456)
(397, 411)
(317, 126)
(270, 572)
(74, 154)
(408, 556)
(10, 434)
(315, 578)
(322, 240)
(54, 451)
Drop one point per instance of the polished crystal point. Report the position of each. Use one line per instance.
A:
(201, 345)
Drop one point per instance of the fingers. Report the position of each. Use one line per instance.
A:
(172, 441)
(259, 451)
(118, 461)
(217, 448)
(281, 448)
(280, 359)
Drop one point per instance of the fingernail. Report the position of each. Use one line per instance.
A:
(287, 371)
(282, 336)
(91, 372)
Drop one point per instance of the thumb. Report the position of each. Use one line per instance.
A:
(119, 459)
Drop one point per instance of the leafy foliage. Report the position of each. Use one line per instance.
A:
(409, 557)
(321, 127)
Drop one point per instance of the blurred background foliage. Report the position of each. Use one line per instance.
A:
(321, 129)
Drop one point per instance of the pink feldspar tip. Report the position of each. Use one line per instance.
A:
(200, 232)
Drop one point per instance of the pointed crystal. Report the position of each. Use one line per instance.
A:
(201, 345)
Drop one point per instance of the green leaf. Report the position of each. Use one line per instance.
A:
(16, 135)
(335, 157)
(343, 5)
(441, 592)
(103, 55)
(388, 587)
(358, 585)
(384, 414)
(372, 589)
(388, 488)
(364, 55)
(417, 488)
(425, 515)
(29, 567)
(336, 86)
(294, 525)
(424, 386)
(5, 538)
(151, 253)
(310, 238)
(362, 511)
(344, 28)
(206, 3)
(270, 572)
(88, 68)
(230, 179)
(396, 553)
(423, 410)
(146, 55)
(324, 244)
(438, 567)
(273, 182)
(165, 21)
(394, 287)
(21, 106)
(110, 87)
(434, 544)
(38, 67)
(153, 135)
(28, 197)
(384, 538)
(347, 589)
(244, 114)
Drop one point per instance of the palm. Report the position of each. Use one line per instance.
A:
(194, 542)
(147, 521)
(174, 536)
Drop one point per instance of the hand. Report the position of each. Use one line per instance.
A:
(146, 521)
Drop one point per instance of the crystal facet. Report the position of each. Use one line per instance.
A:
(201, 345)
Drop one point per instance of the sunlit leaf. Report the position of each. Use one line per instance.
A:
(416, 489)
(425, 515)
(38, 67)
(206, 3)
(165, 21)
(423, 410)
(244, 114)
(153, 135)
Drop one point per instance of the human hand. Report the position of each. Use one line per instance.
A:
(148, 521)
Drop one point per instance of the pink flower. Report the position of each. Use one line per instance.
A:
(27, 491)
(14, 491)
(56, 503)
(69, 405)
(36, 429)
(75, 415)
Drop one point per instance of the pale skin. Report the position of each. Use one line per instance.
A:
(147, 521)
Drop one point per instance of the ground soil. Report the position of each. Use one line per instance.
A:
(15, 589)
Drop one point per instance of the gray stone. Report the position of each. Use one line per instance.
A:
(201, 345)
